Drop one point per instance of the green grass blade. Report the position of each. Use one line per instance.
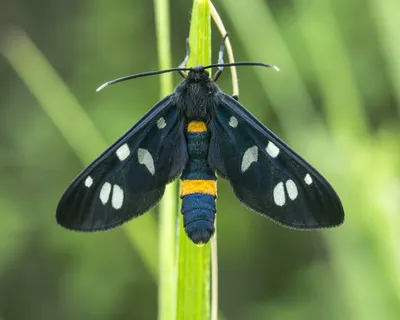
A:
(388, 26)
(168, 207)
(342, 100)
(193, 261)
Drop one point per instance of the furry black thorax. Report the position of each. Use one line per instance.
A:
(197, 96)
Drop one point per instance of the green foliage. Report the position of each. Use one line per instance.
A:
(193, 261)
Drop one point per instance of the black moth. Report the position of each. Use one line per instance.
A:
(196, 132)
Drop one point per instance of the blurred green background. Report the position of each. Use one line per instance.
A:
(336, 101)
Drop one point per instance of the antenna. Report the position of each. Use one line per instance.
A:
(139, 75)
(179, 69)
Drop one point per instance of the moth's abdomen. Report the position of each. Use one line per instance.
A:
(199, 186)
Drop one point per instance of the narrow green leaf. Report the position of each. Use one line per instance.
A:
(169, 204)
(193, 261)
(388, 26)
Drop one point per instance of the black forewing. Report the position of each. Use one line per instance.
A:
(130, 176)
(284, 187)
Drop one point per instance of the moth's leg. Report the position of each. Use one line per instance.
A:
(220, 59)
(184, 62)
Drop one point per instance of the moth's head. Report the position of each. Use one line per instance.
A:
(198, 74)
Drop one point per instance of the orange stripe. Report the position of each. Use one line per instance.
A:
(197, 126)
(199, 186)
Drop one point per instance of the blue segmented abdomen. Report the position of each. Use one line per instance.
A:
(199, 186)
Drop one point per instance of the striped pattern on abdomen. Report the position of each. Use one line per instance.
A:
(199, 186)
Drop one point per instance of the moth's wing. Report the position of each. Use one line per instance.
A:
(266, 174)
(130, 176)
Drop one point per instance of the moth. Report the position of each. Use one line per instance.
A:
(197, 133)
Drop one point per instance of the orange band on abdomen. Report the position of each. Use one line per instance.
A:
(199, 186)
(197, 126)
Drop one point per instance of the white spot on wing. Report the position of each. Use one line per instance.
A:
(308, 179)
(161, 123)
(117, 197)
(279, 194)
(233, 122)
(250, 156)
(105, 192)
(123, 152)
(88, 181)
(145, 158)
(291, 189)
(272, 149)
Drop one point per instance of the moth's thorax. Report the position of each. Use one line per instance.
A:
(196, 96)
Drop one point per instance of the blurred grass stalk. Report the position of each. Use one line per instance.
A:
(263, 39)
(63, 109)
(193, 261)
(169, 203)
(388, 26)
